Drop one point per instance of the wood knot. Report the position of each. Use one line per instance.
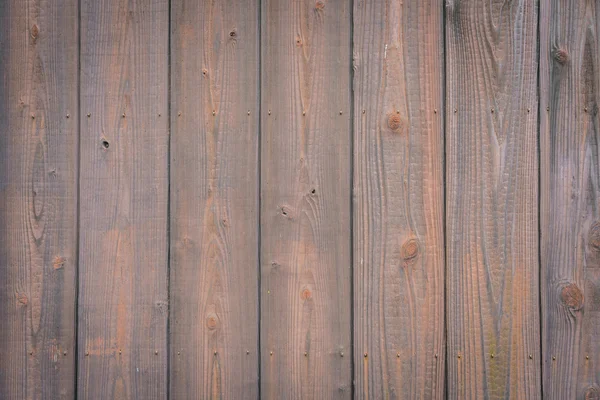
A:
(298, 42)
(305, 294)
(58, 262)
(592, 393)
(571, 296)
(394, 121)
(286, 211)
(410, 250)
(319, 5)
(35, 32)
(204, 72)
(212, 322)
(233, 33)
(561, 56)
(594, 236)
(22, 298)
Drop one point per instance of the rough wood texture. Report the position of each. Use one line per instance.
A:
(492, 196)
(570, 198)
(305, 211)
(123, 200)
(398, 199)
(38, 198)
(214, 200)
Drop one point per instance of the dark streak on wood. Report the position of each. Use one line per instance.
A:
(38, 198)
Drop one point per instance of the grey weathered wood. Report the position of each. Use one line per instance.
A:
(305, 210)
(492, 200)
(570, 198)
(38, 198)
(398, 199)
(214, 200)
(123, 200)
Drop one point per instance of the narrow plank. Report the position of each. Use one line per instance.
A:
(38, 198)
(570, 198)
(398, 199)
(305, 191)
(492, 200)
(123, 200)
(214, 200)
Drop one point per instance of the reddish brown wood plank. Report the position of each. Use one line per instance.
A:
(399, 199)
(305, 210)
(123, 200)
(492, 200)
(38, 198)
(570, 198)
(214, 199)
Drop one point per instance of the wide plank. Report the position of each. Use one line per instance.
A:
(493, 316)
(214, 199)
(398, 199)
(305, 199)
(123, 297)
(38, 198)
(570, 198)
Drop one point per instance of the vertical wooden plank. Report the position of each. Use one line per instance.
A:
(570, 198)
(305, 209)
(38, 198)
(123, 190)
(399, 199)
(214, 199)
(492, 200)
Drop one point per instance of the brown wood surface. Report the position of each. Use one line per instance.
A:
(492, 200)
(305, 210)
(398, 199)
(570, 198)
(38, 198)
(123, 300)
(214, 200)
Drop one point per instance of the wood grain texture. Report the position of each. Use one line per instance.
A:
(38, 198)
(492, 200)
(123, 200)
(214, 200)
(305, 209)
(570, 198)
(398, 199)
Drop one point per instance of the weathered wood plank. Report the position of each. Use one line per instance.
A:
(123, 200)
(214, 199)
(492, 200)
(38, 198)
(398, 199)
(570, 198)
(305, 210)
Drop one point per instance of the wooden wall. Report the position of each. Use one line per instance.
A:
(317, 199)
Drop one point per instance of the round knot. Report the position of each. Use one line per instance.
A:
(561, 56)
(394, 122)
(305, 294)
(571, 296)
(212, 322)
(592, 393)
(410, 250)
(594, 236)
